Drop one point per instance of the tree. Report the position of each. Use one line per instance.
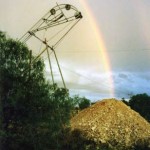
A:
(33, 112)
(124, 101)
(141, 104)
(84, 103)
(81, 102)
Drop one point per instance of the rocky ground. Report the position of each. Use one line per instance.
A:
(111, 121)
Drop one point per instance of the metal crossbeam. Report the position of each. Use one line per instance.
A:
(58, 15)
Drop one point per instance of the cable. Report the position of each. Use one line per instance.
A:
(59, 32)
(53, 24)
(85, 77)
(39, 21)
(129, 50)
(42, 42)
(56, 44)
(80, 75)
(108, 51)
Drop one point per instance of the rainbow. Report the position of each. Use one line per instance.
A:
(101, 46)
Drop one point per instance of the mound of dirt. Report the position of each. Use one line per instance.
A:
(112, 122)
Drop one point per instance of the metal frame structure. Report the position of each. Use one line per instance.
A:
(58, 15)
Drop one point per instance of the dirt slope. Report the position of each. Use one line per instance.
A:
(111, 121)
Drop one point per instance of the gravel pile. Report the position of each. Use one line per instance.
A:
(111, 121)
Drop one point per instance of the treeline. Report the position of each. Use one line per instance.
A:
(141, 104)
(34, 114)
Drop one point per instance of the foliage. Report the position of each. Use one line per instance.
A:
(141, 104)
(33, 112)
(124, 101)
(84, 103)
(81, 102)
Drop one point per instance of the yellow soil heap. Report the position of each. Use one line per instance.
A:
(112, 122)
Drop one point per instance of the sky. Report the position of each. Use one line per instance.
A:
(106, 55)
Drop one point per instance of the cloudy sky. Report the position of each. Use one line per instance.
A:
(123, 25)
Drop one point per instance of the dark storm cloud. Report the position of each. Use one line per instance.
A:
(123, 76)
(132, 83)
